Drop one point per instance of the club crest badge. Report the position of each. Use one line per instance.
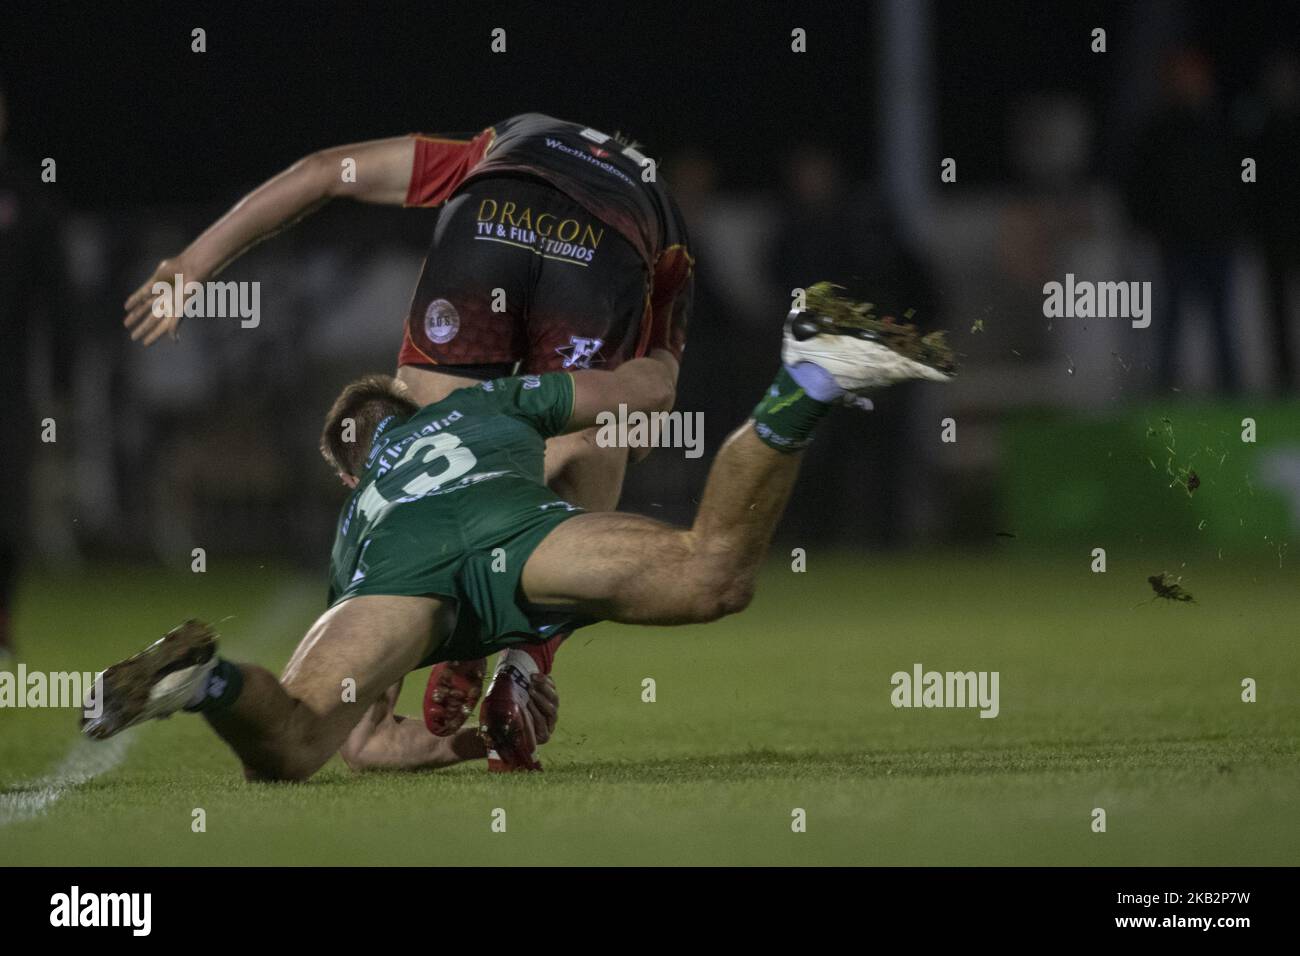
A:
(441, 321)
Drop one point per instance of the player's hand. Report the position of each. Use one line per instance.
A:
(147, 312)
(543, 706)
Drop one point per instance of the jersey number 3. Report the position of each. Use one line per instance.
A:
(440, 458)
(430, 450)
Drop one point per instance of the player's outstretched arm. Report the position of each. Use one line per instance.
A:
(643, 385)
(382, 175)
(384, 740)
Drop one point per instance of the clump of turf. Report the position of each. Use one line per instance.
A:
(825, 298)
(1183, 475)
(1168, 587)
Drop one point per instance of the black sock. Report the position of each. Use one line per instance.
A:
(221, 689)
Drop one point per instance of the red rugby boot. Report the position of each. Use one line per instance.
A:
(452, 693)
(503, 716)
(504, 720)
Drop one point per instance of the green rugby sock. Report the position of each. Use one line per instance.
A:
(785, 418)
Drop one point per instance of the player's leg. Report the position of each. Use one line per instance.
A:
(349, 658)
(635, 570)
(285, 729)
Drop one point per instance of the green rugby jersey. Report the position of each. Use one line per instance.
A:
(453, 500)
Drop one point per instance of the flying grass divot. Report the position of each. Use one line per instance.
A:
(1169, 587)
(824, 299)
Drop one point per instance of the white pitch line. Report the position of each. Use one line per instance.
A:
(89, 759)
(86, 760)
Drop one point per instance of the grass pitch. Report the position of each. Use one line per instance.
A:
(1106, 702)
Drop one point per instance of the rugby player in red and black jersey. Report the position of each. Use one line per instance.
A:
(556, 247)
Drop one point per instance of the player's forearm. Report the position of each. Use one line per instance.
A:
(405, 744)
(649, 384)
(271, 207)
(377, 171)
(646, 384)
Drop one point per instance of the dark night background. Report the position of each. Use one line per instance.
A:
(115, 90)
(789, 168)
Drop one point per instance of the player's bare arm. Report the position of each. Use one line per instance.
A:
(642, 385)
(386, 740)
(377, 171)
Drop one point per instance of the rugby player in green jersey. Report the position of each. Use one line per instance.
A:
(451, 546)
(556, 247)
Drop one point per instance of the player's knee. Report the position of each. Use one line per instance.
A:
(726, 575)
(715, 595)
(293, 756)
(736, 594)
(279, 769)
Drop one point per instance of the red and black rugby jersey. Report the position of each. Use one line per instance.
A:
(607, 179)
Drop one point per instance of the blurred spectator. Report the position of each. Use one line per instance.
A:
(828, 230)
(715, 324)
(1181, 188)
(818, 232)
(1054, 207)
(1276, 195)
(31, 284)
